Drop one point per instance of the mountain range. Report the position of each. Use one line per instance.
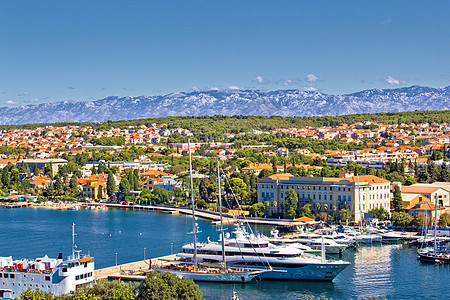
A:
(231, 102)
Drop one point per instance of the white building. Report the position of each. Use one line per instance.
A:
(340, 193)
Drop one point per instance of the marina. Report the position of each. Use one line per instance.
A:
(125, 237)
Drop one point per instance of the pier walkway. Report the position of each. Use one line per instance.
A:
(134, 271)
(214, 216)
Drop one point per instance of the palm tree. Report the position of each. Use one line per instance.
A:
(318, 206)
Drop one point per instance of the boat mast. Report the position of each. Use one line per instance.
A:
(435, 222)
(193, 208)
(224, 264)
(73, 241)
(359, 202)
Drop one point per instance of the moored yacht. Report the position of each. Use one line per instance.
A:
(280, 262)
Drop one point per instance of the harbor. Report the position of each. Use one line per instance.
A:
(127, 236)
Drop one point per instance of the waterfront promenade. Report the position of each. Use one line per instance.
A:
(134, 271)
(214, 216)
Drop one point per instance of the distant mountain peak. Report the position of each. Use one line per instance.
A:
(231, 102)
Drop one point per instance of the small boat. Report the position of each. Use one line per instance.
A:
(235, 296)
(439, 254)
(435, 255)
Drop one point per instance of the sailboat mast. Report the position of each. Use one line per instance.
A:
(221, 221)
(359, 202)
(193, 208)
(435, 222)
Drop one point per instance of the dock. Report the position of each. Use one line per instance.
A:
(16, 204)
(210, 215)
(134, 271)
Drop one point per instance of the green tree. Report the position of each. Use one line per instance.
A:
(73, 183)
(166, 286)
(136, 184)
(6, 179)
(57, 185)
(344, 214)
(15, 177)
(398, 201)
(380, 213)
(444, 220)
(35, 170)
(35, 295)
(238, 187)
(306, 211)
(257, 210)
(102, 290)
(418, 220)
(124, 186)
(290, 204)
(401, 219)
(423, 176)
(110, 184)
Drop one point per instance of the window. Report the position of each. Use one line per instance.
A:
(6, 275)
(47, 278)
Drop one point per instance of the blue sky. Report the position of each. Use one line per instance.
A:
(87, 50)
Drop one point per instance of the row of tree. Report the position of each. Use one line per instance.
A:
(155, 286)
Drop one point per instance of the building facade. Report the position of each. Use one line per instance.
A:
(326, 194)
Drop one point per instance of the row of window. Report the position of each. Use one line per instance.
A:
(7, 275)
(324, 188)
(82, 276)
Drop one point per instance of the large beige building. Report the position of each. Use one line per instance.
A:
(337, 193)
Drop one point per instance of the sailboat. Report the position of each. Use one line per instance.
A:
(210, 272)
(437, 254)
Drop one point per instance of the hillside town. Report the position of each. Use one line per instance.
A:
(139, 162)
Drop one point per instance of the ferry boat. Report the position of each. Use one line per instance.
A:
(57, 276)
(280, 262)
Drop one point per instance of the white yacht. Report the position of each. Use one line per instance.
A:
(315, 241)
(280, 262)
(286, 241)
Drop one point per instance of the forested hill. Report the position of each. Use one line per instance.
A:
(213, 127)
(231, 102)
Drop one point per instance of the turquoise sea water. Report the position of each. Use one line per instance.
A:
(390, 271)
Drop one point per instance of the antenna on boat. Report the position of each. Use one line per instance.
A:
(193, 208)
(73, 241)
(221, 221)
